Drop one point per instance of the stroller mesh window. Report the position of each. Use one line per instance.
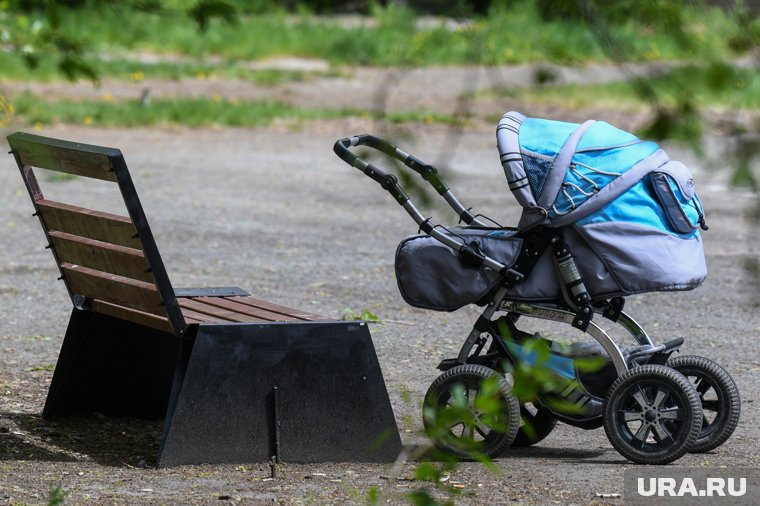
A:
(537, 170)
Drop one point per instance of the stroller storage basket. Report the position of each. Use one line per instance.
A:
(431, 275)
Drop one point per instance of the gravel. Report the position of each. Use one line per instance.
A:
(274, 211)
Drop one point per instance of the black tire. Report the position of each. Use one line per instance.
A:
(652, 415)
(718, 396)
(536, 422)
(452, 417)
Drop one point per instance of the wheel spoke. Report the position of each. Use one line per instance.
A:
(526, 416)
(702, 386)
(662, 435)
(631, 416)
(671, 414)
(483, 430)
(711, 406)
(662, 393)
(641, 436)
(640, 398)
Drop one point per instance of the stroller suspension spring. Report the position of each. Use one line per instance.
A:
(576, 295)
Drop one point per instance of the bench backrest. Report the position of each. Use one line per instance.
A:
(109, 263)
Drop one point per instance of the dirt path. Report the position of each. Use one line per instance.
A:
(274, 211)
(443, 90)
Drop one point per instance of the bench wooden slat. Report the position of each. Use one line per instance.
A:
(66, 159)
(101, 256)
(88, 223)
(192, 317)
(114, 289)
(276, 308)
(217, 312)
(133, 315)
(226, 303)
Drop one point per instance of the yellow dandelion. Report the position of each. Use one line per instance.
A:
(652, 54)
(38, 126)
(200, 75)
(216, 99)
(138, 76)
(6, 111)
(87, 120)
(107, 97)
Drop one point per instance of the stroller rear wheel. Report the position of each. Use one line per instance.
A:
(652, 415)
(717, 394)
(470, 410)
(536, 423)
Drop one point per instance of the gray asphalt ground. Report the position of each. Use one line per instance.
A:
(274, 211)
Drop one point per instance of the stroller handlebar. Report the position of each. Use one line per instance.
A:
(390, 183)
(428, 172)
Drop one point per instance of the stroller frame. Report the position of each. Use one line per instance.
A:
(643, 366)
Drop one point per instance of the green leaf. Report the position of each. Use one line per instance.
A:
(422, 498)
(205, 10)
(426, 471)
(590, 364)
(53, 14)
(74, 67)
(373, 495)
(57, 496)
(366, 315)
(680, 123)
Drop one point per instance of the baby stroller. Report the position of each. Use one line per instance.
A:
(604, 215)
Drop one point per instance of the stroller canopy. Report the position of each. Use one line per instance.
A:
(563, 172)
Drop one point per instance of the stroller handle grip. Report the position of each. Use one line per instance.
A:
(388, 182)
(428, 172)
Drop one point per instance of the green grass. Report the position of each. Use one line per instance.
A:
(14, 69)
(713, 86)
(512, 34)
(45, 367)
(716, 86)
(194, 112)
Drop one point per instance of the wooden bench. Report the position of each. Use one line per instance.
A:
(236, 378)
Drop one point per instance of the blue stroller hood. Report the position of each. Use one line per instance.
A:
(562, 172)
(632, 210)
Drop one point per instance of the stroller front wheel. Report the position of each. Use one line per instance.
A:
(470, 410)
(652, 415)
